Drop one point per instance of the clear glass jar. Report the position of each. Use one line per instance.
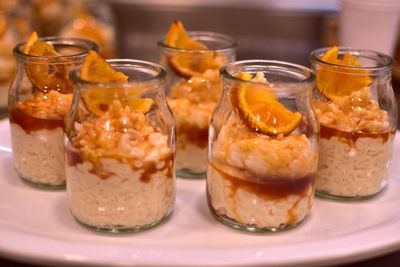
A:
(120, 150)
(39, 98)
(194, 90)
(259, 181)
(358, 122)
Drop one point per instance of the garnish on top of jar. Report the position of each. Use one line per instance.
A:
(351, 107)
(196, 57)
(258, 107)
(95, 69)
(42, 74)
(334, 81)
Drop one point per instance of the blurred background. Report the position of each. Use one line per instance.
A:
(267, 29)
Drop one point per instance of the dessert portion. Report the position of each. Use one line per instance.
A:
(261, 172)
(119, 166)
(355, 135)
(193, 97)
(37, 122)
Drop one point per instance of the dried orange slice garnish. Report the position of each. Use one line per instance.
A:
(46, 74)
(190, 63)
(260, 110)
(96, 69)
(98, 100)
(334, 81)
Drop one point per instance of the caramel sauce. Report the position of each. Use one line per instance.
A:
(149, 169)
(197, 136)
(350, 138)
(269, 187)
(31, 124)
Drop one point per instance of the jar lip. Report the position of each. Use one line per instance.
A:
(232, 45)
(85, 44)
(262, 62)
(161, 75)
(389, 62)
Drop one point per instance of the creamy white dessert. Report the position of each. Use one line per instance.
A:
(260, 181)
(37, 130)
(192, 102)
(119, 171)
(355, 146)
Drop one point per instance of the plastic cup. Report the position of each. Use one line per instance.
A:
(370, 24)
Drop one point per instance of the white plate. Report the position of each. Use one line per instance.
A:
(35, 226)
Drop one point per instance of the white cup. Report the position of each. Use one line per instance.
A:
(370, 24)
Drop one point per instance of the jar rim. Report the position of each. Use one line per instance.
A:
(308, 74)
(231, 43)
(85, 44)
(388, 62)
(161, 73)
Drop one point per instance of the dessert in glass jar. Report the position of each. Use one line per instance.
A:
(40, 96)
(193, 60)
(120, 145)
(355, 105)
(263, 146)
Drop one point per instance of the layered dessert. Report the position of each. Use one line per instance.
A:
(37, 130)
(119, 166)
(37, 119)
(260, 175)
(356, 139)
(193, 97)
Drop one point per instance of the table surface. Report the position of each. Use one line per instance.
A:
(389, 260)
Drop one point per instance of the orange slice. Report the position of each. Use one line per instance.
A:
(261, 111)
(336, 82)
(46, 74)
(190, 63)
(98, 100)
(96, 69)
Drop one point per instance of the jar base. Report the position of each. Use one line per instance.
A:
(255, 229)
(123, 229)
(42, 185)
(325, 195)
(188, 174)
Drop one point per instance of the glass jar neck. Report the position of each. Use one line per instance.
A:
(72, 50)
(284, 78)
(215, 42)
(372, 63)
(142, 76)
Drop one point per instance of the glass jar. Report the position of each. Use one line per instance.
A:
(357, 111)
(120, 150)
(260, 177)
(39, 98)
(195, 89)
